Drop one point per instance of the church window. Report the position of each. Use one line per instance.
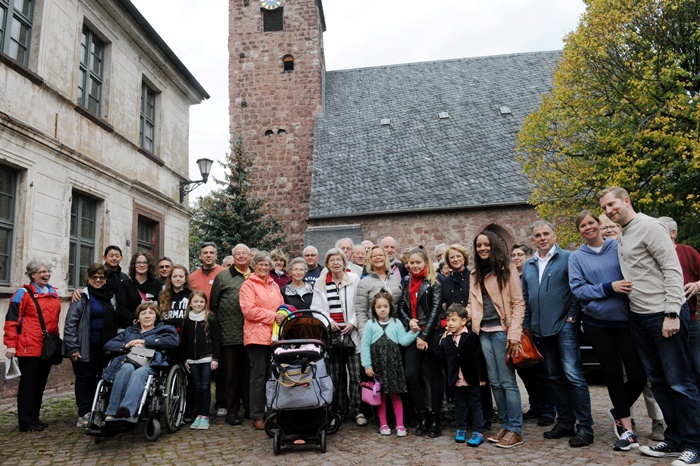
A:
(288, 62)
(273, 20)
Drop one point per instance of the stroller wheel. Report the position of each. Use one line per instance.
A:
(276, 443)
(271, 425)
(152, 430)
(322, 441)
(333, 423)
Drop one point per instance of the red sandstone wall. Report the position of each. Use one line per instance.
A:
(431, 229)
(263, 97)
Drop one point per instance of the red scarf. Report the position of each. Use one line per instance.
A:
(413, 288)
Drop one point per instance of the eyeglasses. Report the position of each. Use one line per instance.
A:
(98, 278)
(160, 266)
(141, 263)
(43, 272)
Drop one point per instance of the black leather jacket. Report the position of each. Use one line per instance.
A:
(429, 303)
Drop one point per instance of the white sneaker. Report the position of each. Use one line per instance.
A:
(385, 430)
(83, 421)
(221, 412)
(361, 420)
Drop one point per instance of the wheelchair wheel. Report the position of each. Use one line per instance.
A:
(152, 430)
(175, 398)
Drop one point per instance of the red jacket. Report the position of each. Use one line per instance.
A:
(259, 303)
(22, 326)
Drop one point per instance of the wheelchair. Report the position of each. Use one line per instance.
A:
(164, 393)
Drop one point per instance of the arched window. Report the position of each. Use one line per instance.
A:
(281, 132)
(288, 62)
(269, 132)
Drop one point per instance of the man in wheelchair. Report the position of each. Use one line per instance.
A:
(141, 352)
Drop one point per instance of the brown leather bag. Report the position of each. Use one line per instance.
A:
(528, 355)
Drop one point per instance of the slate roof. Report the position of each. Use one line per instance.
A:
(420, 162)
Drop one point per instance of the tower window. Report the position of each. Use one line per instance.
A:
(288, 62)
(269, 132)
(273, 20)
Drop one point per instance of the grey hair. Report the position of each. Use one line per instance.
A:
(308, 248)
(352, 243)
(262, 256)
(669, 223)
(35, 264)
(336, 252)
(541, 223)
(297, 260)
(240, 245)
(438, 247)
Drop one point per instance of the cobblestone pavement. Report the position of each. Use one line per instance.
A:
(62, 443)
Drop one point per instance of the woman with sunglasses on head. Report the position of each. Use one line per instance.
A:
(90, 323)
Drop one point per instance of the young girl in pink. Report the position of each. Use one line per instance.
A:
(381, 356)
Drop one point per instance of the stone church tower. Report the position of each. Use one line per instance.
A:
(276, 76)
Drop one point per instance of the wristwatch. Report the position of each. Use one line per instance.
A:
(671, 315)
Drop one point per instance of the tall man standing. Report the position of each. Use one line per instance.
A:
(203, 277)
(235, 370)
(310, 254)
(552, 313)
(658, 324)
(391, 247)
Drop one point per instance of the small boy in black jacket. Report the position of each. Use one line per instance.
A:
(461, 349)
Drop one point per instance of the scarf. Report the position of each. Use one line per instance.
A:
(199, 317)
(413, 288)
(101, 294)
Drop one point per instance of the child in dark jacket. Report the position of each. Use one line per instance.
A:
(461, 350)
(200, 350)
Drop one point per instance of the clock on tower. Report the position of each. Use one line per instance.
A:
(271, 4)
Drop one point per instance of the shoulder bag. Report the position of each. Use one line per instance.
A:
(52, 344)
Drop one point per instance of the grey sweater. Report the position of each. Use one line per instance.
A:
(649, 260)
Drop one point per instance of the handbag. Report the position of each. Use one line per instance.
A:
(341, 343)
(139, 356)
(52, 346)
(372, 392)
(528, 355)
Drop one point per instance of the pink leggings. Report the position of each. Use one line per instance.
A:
(398, 409)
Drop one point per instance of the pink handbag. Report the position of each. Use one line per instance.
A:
(372, 392)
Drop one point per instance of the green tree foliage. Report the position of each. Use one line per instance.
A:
(623, 111)
(231, 214)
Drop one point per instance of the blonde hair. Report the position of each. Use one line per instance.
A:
(430, 273)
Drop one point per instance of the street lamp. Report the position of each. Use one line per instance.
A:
(186, 187)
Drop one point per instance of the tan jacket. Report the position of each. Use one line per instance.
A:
(509, 303)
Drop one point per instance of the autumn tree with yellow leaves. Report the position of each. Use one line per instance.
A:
(623, 111)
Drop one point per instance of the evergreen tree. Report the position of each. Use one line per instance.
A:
(623, 111)
(232, 215)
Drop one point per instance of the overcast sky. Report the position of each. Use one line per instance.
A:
(359, 33)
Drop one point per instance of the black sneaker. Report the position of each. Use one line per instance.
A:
(687, 457)
(659, 451)
(626, 442)
(618, 429)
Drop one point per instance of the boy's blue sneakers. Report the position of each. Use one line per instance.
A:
(461, 436)
(476, 439)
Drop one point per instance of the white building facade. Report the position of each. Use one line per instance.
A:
(94, 131)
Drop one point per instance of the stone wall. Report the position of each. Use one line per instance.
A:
(274, 110)
(432, 228)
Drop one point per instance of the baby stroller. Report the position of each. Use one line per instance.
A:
(300, 392)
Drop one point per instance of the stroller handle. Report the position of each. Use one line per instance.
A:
(298, 342)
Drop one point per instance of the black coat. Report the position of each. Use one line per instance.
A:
(196, 343)
(455, 288)
(129, 298)
(429, 309)
(467, 356)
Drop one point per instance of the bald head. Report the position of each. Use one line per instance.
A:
(391, 247)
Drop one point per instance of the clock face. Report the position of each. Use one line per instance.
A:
(271, 4)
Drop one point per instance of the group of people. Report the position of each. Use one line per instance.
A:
(428, 331)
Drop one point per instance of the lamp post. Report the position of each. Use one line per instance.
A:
(187, 187)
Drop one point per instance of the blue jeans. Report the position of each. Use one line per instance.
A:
(127, 389)
(694, 345)
(201, 376)
(562, 354)
(502, 379)
(667, 364)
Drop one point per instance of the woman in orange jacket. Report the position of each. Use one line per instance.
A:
(260, 298)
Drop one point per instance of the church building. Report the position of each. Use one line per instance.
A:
(424, 152)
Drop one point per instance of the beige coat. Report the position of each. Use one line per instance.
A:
(509, 303)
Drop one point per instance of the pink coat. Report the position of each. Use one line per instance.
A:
(509, 303)
(259, 303)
